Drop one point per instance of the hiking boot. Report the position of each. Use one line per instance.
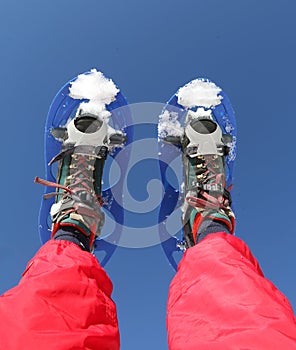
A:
(79, 179)
(206, 197)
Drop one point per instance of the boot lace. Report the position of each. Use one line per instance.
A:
(209, 184)
(79, 184)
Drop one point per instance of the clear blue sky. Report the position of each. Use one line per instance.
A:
(150, 48)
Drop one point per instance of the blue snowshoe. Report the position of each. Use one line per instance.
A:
(88, 124)
(197, 129)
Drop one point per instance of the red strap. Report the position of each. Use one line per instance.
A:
(51, 184)
(196, 223)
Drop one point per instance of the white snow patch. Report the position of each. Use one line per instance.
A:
(199, 93)
(232, 152)
(200, 113)
(94, 108)
(169, 125)
(94, 87)
(228, 128)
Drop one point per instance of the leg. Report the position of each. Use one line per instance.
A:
(62, 302)
(219, 299)
(64, 298)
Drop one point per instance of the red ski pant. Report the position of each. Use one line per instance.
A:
(219, 299)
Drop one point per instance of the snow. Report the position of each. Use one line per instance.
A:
(95, 87)
(200, 113)
(232, 152)
(169, 125)
(95, 108)
(199, 92)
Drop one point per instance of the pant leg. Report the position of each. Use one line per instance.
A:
(219, 299)
(62, 302)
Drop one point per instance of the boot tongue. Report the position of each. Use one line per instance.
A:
(214, 164)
